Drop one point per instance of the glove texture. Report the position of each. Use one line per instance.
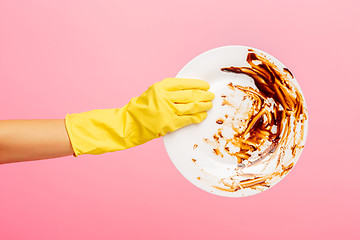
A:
(165, 107)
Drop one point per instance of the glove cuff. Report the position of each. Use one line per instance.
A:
(97, 131)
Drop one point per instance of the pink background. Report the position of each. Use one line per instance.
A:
(59, 57)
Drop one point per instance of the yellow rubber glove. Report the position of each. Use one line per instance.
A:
(165, 107)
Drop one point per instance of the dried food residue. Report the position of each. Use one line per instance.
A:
(220, 121)
(277, 113)
(217, 152)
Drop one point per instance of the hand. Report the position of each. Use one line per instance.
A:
(165, 107)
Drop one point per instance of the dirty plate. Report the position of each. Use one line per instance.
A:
(256, 130)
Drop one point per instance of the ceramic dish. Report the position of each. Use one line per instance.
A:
(256, 130)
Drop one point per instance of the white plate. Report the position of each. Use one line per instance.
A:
(194, 156)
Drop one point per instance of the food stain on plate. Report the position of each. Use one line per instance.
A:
(265, 133)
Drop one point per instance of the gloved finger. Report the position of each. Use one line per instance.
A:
(195, 118)
(173, 84)
(193, 107)
(193, 95)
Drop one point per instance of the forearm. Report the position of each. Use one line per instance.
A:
(25, 140)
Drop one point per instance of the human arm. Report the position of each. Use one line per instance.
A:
(25, 140)
(165, 107)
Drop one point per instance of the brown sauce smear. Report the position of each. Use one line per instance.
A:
(217, 152)
(287, 111)
(220, 121)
